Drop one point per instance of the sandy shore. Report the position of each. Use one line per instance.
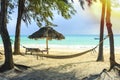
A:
(59, 69)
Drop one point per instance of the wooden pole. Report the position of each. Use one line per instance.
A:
(47, 45)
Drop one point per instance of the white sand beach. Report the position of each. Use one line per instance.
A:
(59, 69)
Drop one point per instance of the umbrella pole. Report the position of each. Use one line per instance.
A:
(47, 45)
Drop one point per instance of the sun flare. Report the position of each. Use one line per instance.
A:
(115, 5)
(115, 8)
(96, 10)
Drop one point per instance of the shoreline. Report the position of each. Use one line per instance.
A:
(66, 48)
(60, 46)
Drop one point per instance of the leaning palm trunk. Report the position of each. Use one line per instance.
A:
(111, 37)
(17, 37)
(8, 64)
(18, 27)
(100, 54)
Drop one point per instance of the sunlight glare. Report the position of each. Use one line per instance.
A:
(96, 9)
(115, 6)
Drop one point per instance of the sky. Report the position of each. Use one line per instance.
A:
(83, 22)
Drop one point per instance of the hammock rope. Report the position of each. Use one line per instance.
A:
(73, 55)
(63, 56)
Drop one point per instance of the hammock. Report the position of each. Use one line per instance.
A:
(72, 55)
(64, 56)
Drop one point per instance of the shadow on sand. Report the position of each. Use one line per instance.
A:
(58, 73)
(45, 74)
(62, 72)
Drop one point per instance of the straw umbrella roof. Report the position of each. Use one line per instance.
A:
(48, 32)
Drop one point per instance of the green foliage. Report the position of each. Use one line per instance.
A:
(89, 2)
(11, 6)
(42, 11)
(64, 9)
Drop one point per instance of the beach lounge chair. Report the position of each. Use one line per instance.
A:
(31, 50)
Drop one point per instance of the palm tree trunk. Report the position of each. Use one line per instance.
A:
(18, 27)
(100, 54)
(8, 64)
(111, 37)
(111, 40)
(17, 36)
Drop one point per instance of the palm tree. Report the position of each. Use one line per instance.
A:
(40, 11)
(100, 54)
(111, 37)
(18, 26)
(8, 64)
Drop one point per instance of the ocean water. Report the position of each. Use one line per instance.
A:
(69, 41)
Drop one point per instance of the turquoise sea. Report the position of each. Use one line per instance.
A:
(70, 40)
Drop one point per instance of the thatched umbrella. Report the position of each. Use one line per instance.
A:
(46, 32)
